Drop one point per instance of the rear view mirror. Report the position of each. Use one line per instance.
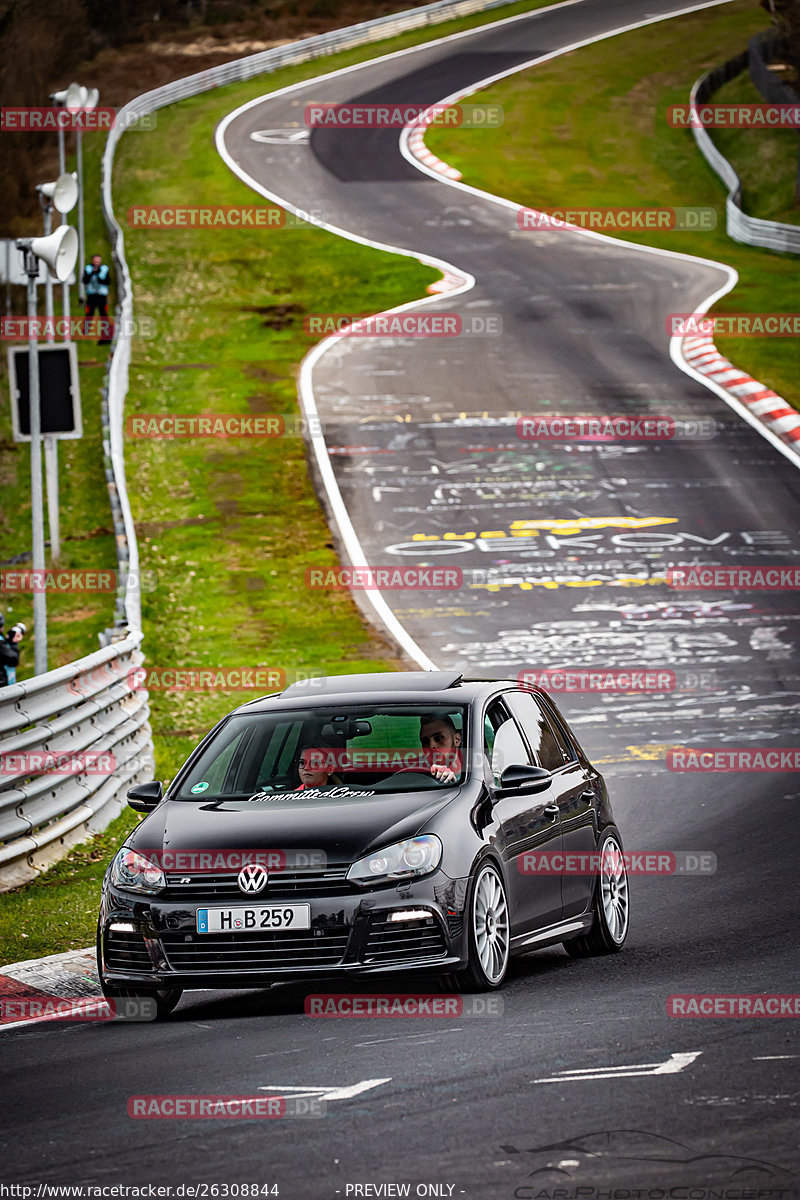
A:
(144, 797)
(523, 775)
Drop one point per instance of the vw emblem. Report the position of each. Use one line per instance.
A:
(253, 878)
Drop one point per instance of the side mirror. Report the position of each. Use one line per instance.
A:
(523, 775)
(144, 797)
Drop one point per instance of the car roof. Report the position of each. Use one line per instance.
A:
(416, 687)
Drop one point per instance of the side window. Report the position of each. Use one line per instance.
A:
(503, 742)
(550, 752)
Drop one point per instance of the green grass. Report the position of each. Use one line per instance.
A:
(228, 527)
(615, 149)
(766, 160)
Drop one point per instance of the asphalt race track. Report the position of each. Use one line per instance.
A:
(557, 542)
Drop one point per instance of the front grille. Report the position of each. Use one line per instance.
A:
(396, 941)
(126, 951)
(282, 884)
(240, 953)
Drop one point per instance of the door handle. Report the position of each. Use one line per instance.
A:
(552, 811)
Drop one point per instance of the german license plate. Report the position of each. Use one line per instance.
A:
(252, 919)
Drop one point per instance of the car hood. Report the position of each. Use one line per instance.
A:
(342, 829)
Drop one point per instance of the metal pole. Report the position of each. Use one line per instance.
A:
(37, 514)
(50, 443)
(61, 170)
(81, 247)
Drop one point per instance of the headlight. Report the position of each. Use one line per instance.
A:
(135, 873)
(404, 860)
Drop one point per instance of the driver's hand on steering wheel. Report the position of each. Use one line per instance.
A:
(443, 773)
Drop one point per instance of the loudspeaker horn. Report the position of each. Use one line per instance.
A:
(63, 192)
(59, 251)
(92, 97)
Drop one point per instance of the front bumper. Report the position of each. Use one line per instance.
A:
(153, 943)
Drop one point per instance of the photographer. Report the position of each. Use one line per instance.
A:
(95, 283)
(9, 653)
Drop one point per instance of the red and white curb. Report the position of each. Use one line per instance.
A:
(771, 409)
(71, 976)
(416, 144)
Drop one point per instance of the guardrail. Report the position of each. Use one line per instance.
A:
(89, 706)
(752, 231)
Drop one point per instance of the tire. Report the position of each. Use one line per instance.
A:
(165, 998)
(610, 907)
(488, 933)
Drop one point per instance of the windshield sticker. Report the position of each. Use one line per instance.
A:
(198, 787)
(335, 793)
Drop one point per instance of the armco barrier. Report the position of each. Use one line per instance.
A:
(88, 705)
(752, 231)
(84, 708)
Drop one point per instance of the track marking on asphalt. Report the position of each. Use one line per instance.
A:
(272, 1053)
(411, 1037)
(773, 1057)
(674, 1064)
(278, 137)
(324, 1093)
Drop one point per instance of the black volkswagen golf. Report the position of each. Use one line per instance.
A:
(366, 824)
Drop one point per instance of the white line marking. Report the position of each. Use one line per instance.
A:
(325, 1093)
(674, 1064)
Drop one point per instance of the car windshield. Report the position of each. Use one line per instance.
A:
(337, 752)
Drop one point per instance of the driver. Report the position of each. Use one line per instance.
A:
(440, 735)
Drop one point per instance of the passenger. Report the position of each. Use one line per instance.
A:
(440, 735)
(316, 769)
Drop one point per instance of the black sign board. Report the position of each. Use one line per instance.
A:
(59, 394)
